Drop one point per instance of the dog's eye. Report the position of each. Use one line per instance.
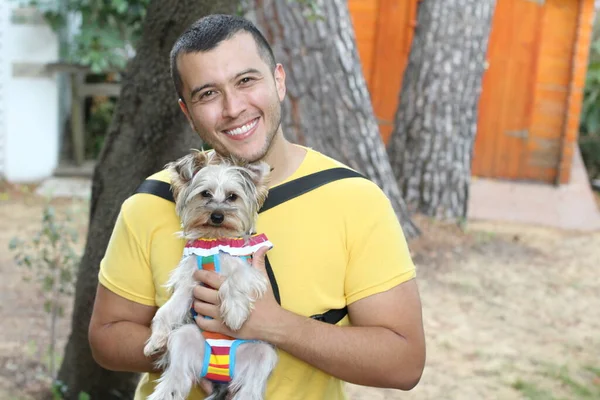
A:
(232, 197)
(206, 194)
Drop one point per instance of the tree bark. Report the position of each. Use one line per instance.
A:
(327, 105)
(147, 131)
(436, 121)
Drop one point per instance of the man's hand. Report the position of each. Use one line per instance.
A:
(206, 303)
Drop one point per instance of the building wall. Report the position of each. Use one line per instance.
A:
(29, 98)
(4, 77)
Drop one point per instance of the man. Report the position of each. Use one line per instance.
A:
(338, 245)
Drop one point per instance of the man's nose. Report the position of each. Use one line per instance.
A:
(234, 105)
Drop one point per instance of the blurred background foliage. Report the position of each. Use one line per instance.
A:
(99, 34)
(589, 136)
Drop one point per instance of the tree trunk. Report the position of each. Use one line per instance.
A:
(327, 105)
(147, 131)
(436, 121)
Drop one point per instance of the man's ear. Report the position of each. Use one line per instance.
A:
(186, 112)
(279, 76)
(183, 107)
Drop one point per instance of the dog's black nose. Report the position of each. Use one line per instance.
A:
(217, 218)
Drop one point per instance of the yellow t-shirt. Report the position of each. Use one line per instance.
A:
(332, 246)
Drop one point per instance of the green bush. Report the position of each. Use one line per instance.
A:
(105, 31)
(589, 135)
(50, 258)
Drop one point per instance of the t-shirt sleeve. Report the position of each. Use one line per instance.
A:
(378, 254)
(125, 268)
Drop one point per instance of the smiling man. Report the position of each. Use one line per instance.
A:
(338, 246)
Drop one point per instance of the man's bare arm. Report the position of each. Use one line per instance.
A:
(385, 347)
(118, 332)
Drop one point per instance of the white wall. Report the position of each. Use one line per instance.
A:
(30, 102)
(4, 76)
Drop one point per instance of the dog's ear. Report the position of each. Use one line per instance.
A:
(183, 170)
(260, 173)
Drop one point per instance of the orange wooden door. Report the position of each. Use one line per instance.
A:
(506, 103)
(523, 105)
(384, 30)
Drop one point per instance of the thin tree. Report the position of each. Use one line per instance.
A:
(147, 131)
(434, 130)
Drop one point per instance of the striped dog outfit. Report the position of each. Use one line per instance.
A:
(219, 354)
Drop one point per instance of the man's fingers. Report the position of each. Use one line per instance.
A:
(212, 325)
(206, 309)
(205, 294)
(209, 278)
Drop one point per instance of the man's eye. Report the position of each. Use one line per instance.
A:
(246, 80)
(206, 94)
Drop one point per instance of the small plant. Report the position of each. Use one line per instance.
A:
(101, 114)
(50, 259)
(589, 137)
(101, 35)
(581, 383)
(59, 389)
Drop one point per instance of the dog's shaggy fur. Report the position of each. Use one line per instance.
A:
(215, 197)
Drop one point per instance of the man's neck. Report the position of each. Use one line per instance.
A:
(284, 158)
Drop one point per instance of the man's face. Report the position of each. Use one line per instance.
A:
(232, 98)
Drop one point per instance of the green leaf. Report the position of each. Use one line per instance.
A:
(48, 283)
(14, 243)
(83, 396)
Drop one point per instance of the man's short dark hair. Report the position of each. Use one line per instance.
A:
(207, 33)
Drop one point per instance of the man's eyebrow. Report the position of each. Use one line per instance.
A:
(207, 85)
(247, 71)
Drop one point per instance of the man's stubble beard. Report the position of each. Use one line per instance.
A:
(270, 138)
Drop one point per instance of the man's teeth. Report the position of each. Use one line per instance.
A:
(242, 129)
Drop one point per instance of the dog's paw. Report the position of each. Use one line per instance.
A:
(155, 344)
(152, 348)
(235, 312)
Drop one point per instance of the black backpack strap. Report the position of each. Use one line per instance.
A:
(272, 279)
(157, 188)
(277, 196)
(297, 187)
(331, 316)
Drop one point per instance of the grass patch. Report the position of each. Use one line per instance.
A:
(531, 391)
(582, 384)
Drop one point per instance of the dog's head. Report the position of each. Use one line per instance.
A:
(217, 196)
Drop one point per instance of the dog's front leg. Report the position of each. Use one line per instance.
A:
(242, 287)
(174, 312)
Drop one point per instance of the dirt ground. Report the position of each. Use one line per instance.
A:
(510, 312)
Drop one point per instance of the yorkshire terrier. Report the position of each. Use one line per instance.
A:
(217, 199)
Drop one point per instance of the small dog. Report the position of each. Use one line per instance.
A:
(217, 200)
